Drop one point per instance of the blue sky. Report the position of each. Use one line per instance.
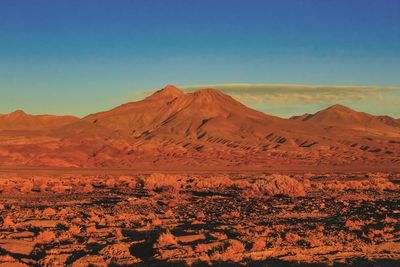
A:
(80, 57)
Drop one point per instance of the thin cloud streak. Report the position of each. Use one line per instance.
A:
(256, 94)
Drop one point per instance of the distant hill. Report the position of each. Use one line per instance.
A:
(339, 115)
(19, 120)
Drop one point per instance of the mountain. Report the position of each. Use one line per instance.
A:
(196, 119)
(19, 120)
(171, 112)
(128, 119)
(341, 116)
(204, 130)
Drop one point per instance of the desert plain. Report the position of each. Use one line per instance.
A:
(200, 219)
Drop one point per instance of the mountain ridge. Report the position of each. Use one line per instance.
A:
(20, 120)
(204, 129)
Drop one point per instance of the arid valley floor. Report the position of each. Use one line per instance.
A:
(257, 219)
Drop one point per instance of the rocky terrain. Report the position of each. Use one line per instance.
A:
(257, 219)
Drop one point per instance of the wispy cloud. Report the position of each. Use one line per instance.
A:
(289, 94)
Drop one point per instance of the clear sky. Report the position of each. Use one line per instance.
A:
(79, 57)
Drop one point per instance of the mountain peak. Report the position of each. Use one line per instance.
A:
(339, 107)
(169, 91)
(18, 112)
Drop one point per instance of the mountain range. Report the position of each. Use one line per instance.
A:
(19, 120)
(202, 130)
